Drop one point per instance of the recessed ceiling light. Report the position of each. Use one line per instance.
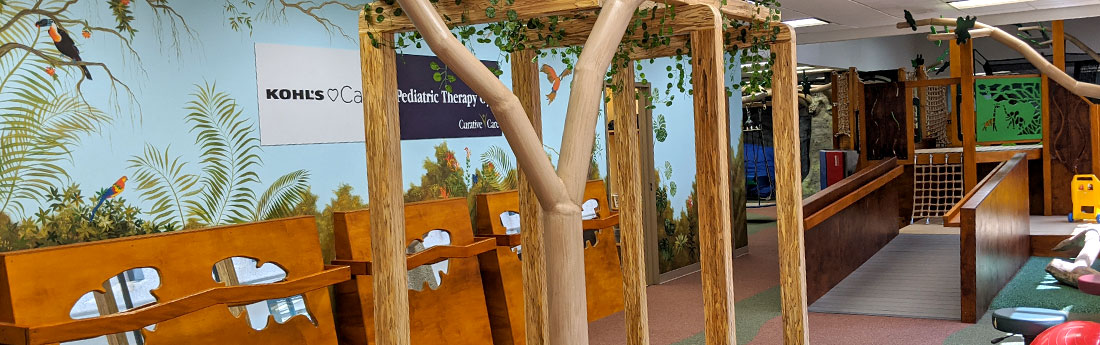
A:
(965, 4)
(798, 23)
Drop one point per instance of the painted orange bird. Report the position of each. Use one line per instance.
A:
(553, 77)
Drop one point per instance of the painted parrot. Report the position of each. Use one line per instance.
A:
(109, 193)
(553, 77)
(64, 43)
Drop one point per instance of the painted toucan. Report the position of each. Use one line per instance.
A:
(111, 192)
(64, 43)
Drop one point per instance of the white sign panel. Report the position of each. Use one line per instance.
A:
(308, 95)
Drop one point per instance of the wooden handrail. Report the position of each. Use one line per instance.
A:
(601, 223)
(843, 203)
(511, 240)
(952, 217)
(137, 318)
(433, 255)
(931, 82)
(844, 187)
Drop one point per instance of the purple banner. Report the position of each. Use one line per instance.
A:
(435, 104)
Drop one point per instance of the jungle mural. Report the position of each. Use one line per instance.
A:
(1008, 109)
(129, 117)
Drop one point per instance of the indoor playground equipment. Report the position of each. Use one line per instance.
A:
(1085, 199)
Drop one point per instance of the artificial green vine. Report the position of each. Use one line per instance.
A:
(511, 34)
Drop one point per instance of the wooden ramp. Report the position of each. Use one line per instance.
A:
(914, 276)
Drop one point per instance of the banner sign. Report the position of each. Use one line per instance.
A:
(310, 95)
(434, 103)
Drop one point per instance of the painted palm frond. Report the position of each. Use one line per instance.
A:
(40, 120)
(505, 177)
(228, 153)
(282, 195)
(162, 179)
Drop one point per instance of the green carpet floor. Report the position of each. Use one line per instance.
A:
(1031, 287)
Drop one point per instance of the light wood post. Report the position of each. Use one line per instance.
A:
(106, 303)
(712, 176)
(525, 84)
(1048, 194)
(1058, 43)
(966, 111)
(387, 223)
(910, 117)
(788, 194)
(955, 67)
(626, 177)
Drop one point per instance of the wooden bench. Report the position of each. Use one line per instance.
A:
(503, 272)
(39, 287)
(454, 313)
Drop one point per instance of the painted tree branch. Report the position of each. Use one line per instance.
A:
(7, 47)
(1032, 56)
(310, 9)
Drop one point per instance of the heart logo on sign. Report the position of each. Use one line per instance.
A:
(332, 94)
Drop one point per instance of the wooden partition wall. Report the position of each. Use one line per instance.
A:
(603, 276)
(453, 313)
(994, 235)
(847, 223)
(38, 287)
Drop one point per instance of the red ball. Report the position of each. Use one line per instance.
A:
(1070, 333)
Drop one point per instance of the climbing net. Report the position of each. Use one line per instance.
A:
(935, 114)
(843, 127)
(937, 187)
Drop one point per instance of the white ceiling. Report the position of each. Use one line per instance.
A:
(854, 19)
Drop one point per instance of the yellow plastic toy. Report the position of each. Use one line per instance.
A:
(1086, 200)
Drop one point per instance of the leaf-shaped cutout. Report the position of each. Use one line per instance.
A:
(428, 275)
(511, 222)
(248, 271)
(127, 290)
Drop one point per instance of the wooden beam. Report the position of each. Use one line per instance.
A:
(953, 127)
(910, 118)
(966, 109)
(468, 12)
(1048, 205)
(1094, 136)
(383, 141)
(1058, 38)
(687, 18)
(931, 82)
(712, 176)
(525, 84)
(626, 175)
(788, 195)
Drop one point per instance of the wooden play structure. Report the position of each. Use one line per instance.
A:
(603, 276)
(191, 306)
(550, 198)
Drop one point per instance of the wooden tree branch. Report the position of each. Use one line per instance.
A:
(507, 108)
(585, 95)
(1032, 56)
(561, 201)
(1071, 38)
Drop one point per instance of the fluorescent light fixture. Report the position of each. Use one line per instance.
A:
(798, 23)
(800, 68)
(965, 4)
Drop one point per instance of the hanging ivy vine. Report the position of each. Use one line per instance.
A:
(509, 34)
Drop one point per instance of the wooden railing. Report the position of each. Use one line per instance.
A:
(995, 226)
(847, 223)
(40, 286)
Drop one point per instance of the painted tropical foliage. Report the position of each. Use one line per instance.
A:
(225, 189)
(678, 235)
